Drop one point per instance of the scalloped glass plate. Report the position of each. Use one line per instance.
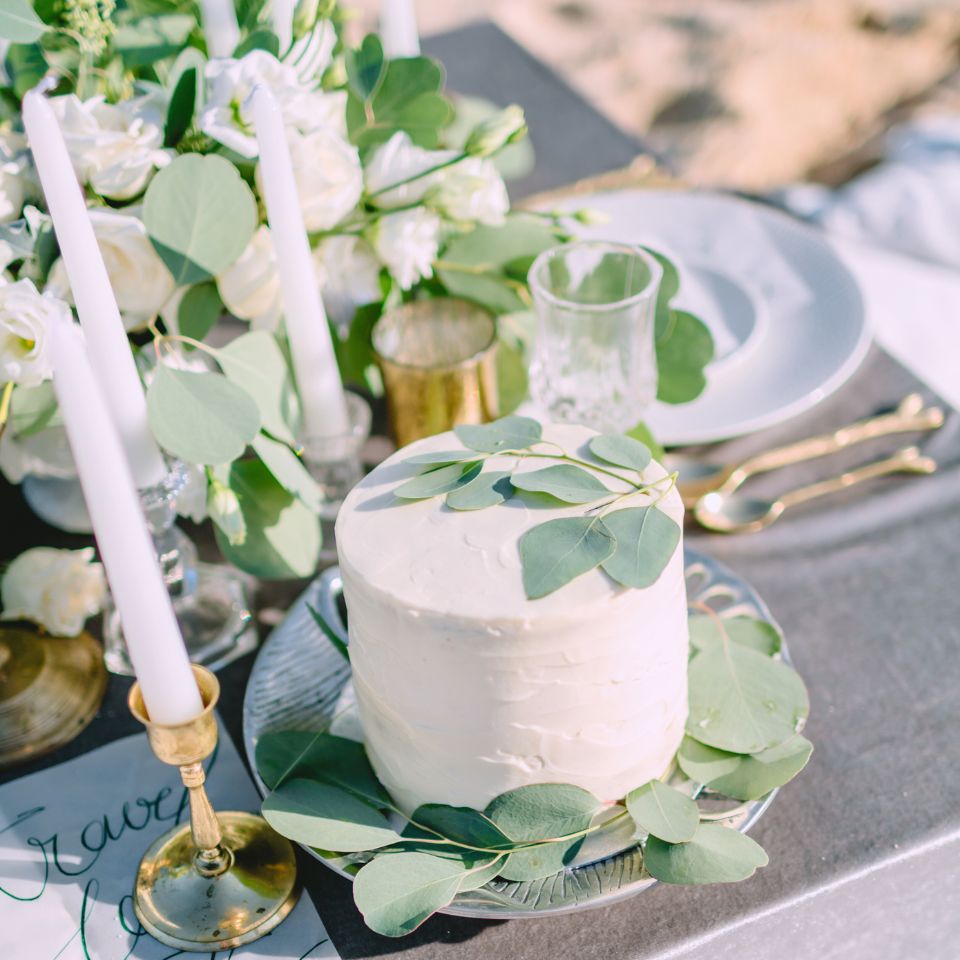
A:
(299, 682)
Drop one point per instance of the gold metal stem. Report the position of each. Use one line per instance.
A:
(211, 859)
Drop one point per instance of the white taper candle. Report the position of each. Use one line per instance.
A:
(149, 626)
(311, 347)
(398, 29)
(220, 27)
(96, 305)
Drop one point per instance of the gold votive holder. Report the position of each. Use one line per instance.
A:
(50, 689)
(438, 361)
(223, 879)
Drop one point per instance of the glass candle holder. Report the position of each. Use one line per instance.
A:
(335, 463)
(438, 360)
(595, 361)
(211, 600)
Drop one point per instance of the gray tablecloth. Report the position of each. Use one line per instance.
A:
(864, 846)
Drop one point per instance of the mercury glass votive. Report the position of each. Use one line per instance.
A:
(595, 360)
(438, 360)
(336, 464)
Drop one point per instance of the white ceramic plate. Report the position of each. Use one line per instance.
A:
(787, 316)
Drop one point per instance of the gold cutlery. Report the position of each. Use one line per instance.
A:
(696, 479)
(725, 512)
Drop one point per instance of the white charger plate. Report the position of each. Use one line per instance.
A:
(787, 316)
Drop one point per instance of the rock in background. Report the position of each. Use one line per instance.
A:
(739, 93)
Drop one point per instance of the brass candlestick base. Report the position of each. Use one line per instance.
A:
(223, 880)
(50, 689)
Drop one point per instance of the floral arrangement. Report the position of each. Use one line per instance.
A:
(400, 202)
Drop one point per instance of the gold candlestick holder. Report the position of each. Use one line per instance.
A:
(224, 879)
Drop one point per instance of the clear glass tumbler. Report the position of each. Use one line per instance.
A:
(594, 361)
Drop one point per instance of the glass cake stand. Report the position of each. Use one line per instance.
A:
(300, 682)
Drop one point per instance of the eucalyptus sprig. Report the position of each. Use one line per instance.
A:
(631, 544)
(326, 795)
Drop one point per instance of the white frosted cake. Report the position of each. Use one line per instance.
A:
(466, 688)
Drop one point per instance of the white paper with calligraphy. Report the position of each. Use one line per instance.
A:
(70, 841)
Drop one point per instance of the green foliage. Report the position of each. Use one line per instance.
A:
(646, 539)
(200, 216)
(200, 418)
(142, 41)
(439, 458)
(682, 355)
(716, 854)
(663, 812)
(476, 265)
(19, 23)
(708, 632)
(554, 553)
(462, 825)
(396, 893)
(283, 534)
(323, 816)
(329, 633)
(539, 812)
(184, 98)
(743, 701)
(508, 433)
(199, 310)
(563, 481)
(487, 490)
(387, 96)
(744, 777)
(621, 450)
(442, 480)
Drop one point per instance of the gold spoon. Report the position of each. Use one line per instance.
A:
(698, 478)
(739, 513)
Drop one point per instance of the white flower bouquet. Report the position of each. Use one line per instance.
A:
(399, 203)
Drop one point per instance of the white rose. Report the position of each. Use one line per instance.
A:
(407, 242)
(472, 190)
(116, 148)
(227, 118)
(398, 160)
(349, 276)
(140, 280)
(57, 589)
(15, 181)
(311, 110)
(328, 175)
(250, 288)
(26, 320)
(192, 498)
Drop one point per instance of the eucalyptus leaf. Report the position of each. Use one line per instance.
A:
(668, 289)
(565, 481)
(743, 701)
(301, 754)
(708, 632)
(144, 40)
(487, 490)
(365, 67)
(646, 539)
(255, 362)
(200, 216)
(199, 311)
(492, 290)
(440, 458)
(463, 825)
(540, 812)
(641, 432)
(744, 777)
(288, 470)
(200, 418)
(621, 450)
(336, 641)
(27, 65)
(397, 892)
(442, 480)
(326, 817)
(554, 553)
(715, 855)
(180, 110)
(19, 23)
(508, 433)
(481, 873)
(682, 357)
(283, 535)
(663, 812)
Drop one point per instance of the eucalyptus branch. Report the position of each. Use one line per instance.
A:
(423, 173)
